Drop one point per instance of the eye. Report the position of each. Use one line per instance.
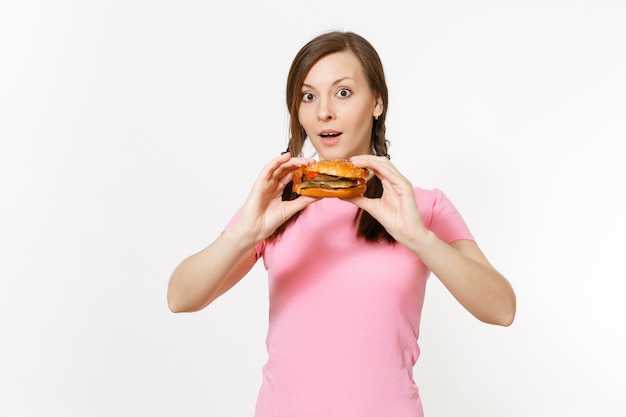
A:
(307, 97)
(344, 93)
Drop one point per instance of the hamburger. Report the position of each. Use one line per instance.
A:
(330, 178)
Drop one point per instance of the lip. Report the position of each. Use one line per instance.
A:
(329, 140)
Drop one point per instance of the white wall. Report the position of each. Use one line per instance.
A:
(120, 122)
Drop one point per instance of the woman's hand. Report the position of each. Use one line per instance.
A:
(202, 277)
(264, 210)
(397, 209)
(461, 266)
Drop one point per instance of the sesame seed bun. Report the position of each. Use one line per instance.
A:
(330, 178)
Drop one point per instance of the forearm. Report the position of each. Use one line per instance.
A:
(470, 278)
(202, 277)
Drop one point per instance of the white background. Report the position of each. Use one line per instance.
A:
(132, 130)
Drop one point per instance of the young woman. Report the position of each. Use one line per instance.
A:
(346, 276)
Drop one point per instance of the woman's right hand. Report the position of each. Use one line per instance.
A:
(202, 277)
(264, 210)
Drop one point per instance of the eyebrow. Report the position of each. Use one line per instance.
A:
(334, 82)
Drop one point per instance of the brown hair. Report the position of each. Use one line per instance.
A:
(328, 43)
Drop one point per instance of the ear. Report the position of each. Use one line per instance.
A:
(378, 108)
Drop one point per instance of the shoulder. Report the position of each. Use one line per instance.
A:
(440, 215)
(429, 196)
(433, 203)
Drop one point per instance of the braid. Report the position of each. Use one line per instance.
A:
(368, 227)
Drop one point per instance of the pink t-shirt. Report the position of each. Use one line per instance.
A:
(344, 315)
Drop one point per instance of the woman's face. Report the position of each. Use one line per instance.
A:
(337, 107)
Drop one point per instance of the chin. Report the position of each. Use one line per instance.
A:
(332, 154)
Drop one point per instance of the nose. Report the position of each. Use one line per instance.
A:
(325, 110)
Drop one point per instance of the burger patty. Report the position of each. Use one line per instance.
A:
(329, 181)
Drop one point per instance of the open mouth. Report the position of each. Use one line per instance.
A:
(330, 138)
(329, 135)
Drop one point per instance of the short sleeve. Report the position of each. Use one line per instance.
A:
(445, 220)
(260, 247)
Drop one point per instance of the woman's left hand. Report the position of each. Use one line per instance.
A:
(397, 209)
(461, 265)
